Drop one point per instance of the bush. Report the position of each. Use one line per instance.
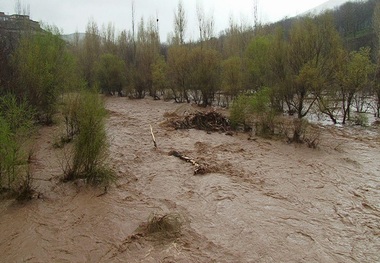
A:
(240, 111)
(361, 119)
(265, 114)
(110, 72)
(254, 111)
(90, 145)
(70, 112)
(312, 136)
(301, 131)
(16, 126)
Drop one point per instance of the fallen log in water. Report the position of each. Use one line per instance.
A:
(199, 169)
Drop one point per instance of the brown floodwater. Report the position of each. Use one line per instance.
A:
(265, 201)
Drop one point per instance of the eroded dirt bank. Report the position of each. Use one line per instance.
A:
(266, 201)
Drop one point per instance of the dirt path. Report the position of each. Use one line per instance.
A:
(266, 201)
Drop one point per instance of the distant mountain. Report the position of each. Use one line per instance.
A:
(70, 38)
(329, 5)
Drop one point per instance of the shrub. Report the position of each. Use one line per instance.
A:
(16, 126)
(70, 112)
(254, 111)
(240, 111)
(301, 131)
(300, 126)
(90, 145)
(264, 112)
(312, 136)
(26, 191)
(361, 119)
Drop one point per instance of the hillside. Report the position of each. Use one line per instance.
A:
(329, 5)
(353, 20)
(71, 38)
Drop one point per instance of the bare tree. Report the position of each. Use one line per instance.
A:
(200, 18)
(91, 51)
(146, 53)
(133, 32)
(255, 14)
(180, 23)
(237, 38)
(108, 38)
(18, 7)
(206, 24)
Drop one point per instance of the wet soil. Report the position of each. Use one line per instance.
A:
(262, 201)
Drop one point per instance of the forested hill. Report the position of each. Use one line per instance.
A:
(353, 20)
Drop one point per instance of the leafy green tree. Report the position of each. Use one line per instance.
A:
(205, 69)
(232, 77)
(44, 70)
(111, 74)
(354, 77)
(314, 45)
(278, 73)
(159, 75)
(259, 55)
(179, 72)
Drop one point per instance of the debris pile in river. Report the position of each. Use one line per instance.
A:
(208, 121)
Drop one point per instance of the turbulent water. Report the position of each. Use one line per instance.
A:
(265, 201)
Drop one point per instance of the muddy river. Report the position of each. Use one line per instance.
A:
(266, 201)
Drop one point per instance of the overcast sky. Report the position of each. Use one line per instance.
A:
(73, 15)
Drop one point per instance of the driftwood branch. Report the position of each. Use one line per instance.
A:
(153, 138)
(199, 169)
